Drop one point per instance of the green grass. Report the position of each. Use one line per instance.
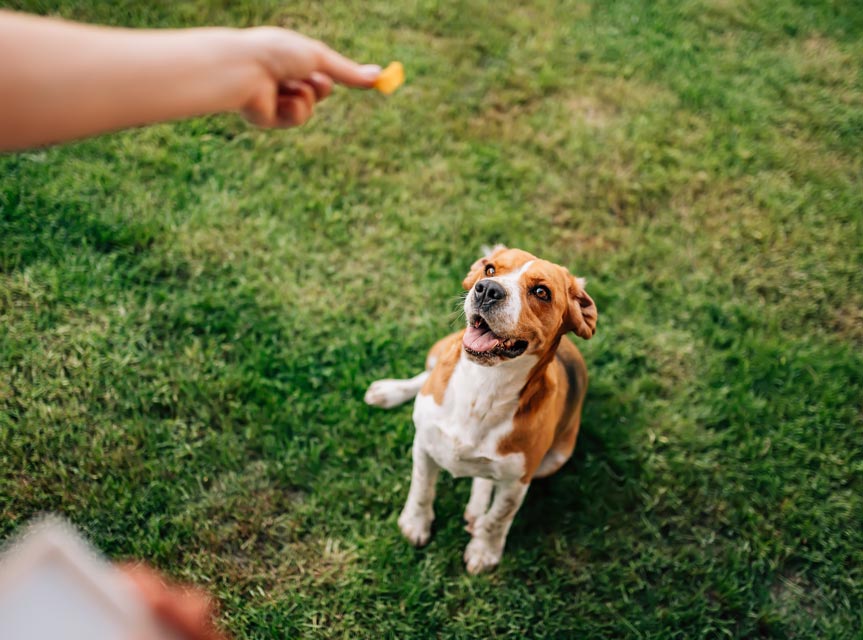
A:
(189, 315)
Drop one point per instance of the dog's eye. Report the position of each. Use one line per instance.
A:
(489, 271)
(541, 292)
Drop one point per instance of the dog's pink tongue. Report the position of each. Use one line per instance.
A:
(480, 340)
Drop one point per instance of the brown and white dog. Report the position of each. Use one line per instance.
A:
(499, 401)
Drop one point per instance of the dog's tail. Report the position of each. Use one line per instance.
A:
(391, 393)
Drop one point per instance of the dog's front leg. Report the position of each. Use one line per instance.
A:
(416, 518)
(480, 496)
(489, 531)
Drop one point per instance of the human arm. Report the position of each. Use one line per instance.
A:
(63, 80)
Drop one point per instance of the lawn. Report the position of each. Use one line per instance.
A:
(190, 314)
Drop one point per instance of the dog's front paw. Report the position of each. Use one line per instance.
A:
(416, 527)
(480, 556)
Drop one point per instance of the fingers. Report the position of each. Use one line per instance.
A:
(321, 83)
(187, 611)
(299, 72)
(296, 102)
(346, 71)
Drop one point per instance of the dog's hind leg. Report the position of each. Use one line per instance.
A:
(391, 393)
(552, 461)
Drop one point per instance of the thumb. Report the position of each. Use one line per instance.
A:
(345, 71)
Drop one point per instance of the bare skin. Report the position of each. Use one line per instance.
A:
(186, 611)
(61, 80)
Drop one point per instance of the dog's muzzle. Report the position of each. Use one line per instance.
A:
(487, 293)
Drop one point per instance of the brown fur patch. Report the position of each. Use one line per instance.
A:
(549, 412)
(445, 354)
(504, 260)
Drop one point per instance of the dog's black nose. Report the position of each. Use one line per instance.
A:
(488, 292)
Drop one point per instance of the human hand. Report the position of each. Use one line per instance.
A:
(72, 80)
(293, 74)
(186, 611)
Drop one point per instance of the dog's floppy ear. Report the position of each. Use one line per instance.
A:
(477, 269)
(582, 309)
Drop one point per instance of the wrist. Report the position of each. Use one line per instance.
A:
(233, 65)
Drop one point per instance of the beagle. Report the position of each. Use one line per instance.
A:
(500, 401)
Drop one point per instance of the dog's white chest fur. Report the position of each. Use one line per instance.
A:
(463, 433)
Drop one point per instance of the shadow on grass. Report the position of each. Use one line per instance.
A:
(597, 487)
(35, 228)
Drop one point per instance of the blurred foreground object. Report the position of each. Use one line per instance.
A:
(54, 585)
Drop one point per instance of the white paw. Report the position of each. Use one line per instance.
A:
(481, 556)
(386, 394)
(416, 527)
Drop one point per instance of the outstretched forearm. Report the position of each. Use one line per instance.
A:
(61, 80)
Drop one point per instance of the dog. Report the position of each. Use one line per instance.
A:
(499, 401)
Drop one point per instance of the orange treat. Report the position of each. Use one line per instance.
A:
(391, 78)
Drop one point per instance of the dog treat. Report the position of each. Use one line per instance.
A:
(391, 78)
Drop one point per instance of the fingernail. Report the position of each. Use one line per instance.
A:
(370, 71)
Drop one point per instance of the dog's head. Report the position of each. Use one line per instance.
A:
(518, 304)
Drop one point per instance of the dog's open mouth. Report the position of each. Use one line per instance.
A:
(480, 341)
